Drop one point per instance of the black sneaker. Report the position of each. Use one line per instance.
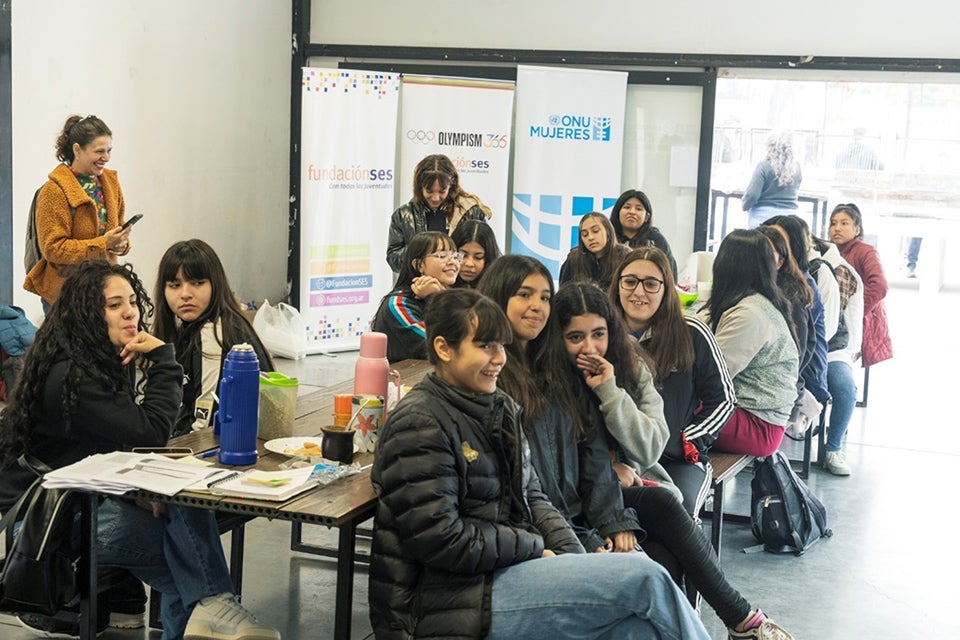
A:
(55, 627)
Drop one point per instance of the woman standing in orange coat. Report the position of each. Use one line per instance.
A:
(80, 210)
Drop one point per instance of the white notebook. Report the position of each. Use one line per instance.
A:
(265, 485)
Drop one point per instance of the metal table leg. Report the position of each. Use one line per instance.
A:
(87, 569)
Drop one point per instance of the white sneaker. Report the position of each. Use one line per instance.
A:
(836, 463)
(221, 617)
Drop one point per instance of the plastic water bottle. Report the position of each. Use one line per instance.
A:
(239, 406)
(372, 373)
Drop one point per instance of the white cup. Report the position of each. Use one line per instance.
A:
(703, 290)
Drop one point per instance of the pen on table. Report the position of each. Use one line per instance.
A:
(208, 454)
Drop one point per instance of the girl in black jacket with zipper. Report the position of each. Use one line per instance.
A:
(465, 544)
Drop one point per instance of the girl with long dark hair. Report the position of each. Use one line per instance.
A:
(478, 244)
(597, 252)
(632, 219)
(431, 263)
(439, 203)
(200, 315)
(465, 542)
(690, 373)
(77, 397)
(750, 318)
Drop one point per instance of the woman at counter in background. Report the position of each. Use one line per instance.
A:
(438, 204)
(478, 244)
(632, 219)
(776, 180)
(846, 231)
(430, 264)
(201, 316)
(80, 209)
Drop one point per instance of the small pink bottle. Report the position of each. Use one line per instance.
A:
(372, 373)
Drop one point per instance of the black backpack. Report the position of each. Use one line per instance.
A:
(786, 516)
(31, 249)
(39, 573)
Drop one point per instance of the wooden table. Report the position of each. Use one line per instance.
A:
(343, 504)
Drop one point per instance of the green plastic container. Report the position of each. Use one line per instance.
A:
(278, 405)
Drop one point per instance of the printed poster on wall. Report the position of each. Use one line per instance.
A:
(349, 131)
(568, 148)
(469, 122)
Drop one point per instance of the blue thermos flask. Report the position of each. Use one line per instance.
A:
(239, 406)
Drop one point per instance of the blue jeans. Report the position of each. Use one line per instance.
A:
(843, 389)
(590, 596)
(756, 215)
(179, 555)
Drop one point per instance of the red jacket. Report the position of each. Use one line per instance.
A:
(876, 337)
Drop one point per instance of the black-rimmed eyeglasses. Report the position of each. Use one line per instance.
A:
(630, 283)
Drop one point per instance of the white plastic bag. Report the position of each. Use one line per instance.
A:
(281, 330)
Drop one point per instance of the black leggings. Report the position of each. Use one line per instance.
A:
(670, 527)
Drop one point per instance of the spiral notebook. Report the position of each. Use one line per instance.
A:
(275, 486)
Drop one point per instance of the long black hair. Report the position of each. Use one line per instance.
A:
(798, 233)
(618, 205)
(420, 246)
(74, 330)
(480, 232)
(519, 376)
(744, 266)
(199, 261)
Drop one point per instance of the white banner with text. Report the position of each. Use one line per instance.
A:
(348, 150)
(568, 152)
(469, 122)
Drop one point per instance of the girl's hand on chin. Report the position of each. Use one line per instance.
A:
(596, 370)
(143, 342)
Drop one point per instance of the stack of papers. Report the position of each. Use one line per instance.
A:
(119, 472)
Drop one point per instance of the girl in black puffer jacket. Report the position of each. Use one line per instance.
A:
(460, 511)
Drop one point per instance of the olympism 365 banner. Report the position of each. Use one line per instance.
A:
(568, 150)
(469, 122)
(349, 131)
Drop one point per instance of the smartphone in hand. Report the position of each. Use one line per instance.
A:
(132, 221)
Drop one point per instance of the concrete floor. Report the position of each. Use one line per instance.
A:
(879, 576)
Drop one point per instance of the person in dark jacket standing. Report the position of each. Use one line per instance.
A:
(77, 398)
(438, 204)
(465, 544)
(632, 219)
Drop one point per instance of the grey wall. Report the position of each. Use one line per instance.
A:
(886, 28)
(197, 96)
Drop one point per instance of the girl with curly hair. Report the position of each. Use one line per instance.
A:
(77, 397)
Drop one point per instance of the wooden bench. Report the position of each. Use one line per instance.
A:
(725, 466)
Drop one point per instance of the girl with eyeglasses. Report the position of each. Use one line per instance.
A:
(465, 542)
(689, 370)
(431, 263)
(750, 318)
(597, 252)
(846, 231)
(439, 203)
(614, 393)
